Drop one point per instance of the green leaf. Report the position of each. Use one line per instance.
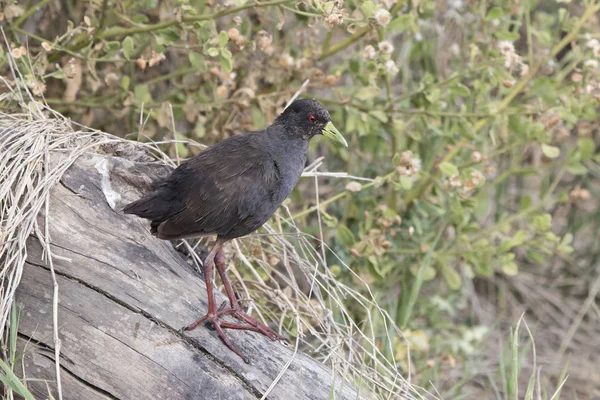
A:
(542, 222)
(404, 22)
(576, 168)
(226, 64)
(125, 81)
(141, 19)
(127, 46)
(517, 240)
(223, 38)
(113, 45)
(226, 53)
(12, 381)
(367, 93)
(525, 202)
(586, 148)
(448, 169)
(345, 235)
(380, 115)
(141, 93)
(212, 51)
(484, 269)
(460, 90)
(182, 148)
(494, 13)
(428, 272)
(507, 35)
(433, 95)
(367, 8)
(197, 60)
(166, 37)
(58, 74)
(329, 220)
(510, 269)
(550, 151)
(406, 182)
(451, 277)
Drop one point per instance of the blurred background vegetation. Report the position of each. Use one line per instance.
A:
(478, 119)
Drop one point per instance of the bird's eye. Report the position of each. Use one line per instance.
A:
(311, 119)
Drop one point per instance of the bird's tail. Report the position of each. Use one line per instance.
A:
(146, 207)
(155, 206)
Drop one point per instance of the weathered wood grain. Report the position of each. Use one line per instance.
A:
(123, 297)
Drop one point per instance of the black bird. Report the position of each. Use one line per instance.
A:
(231, 189)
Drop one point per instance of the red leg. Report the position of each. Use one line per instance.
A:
(236, 310)
(213, 314)
(222, 269)
(208, 267)
(216, 257)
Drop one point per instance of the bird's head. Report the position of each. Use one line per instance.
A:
(308, 118)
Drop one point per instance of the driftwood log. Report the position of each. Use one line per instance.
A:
(124, 296)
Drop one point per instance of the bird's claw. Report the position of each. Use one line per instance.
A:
(214, 322)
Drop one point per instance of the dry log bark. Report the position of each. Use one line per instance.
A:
(123, 297)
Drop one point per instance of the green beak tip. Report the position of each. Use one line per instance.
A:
(331, 132)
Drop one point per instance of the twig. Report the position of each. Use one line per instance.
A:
(300, 90)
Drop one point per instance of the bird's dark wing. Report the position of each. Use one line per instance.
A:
(229, 189)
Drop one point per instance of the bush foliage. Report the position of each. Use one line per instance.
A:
(475, 120)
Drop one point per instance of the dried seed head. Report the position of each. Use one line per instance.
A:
(390, 67)
(369, 52)
(585, 194)
(455, 181)
(476, 157)
(233, 34)
(16, 53)
(477, 177)
(155, 58)
(591, 64)
(506, 47)
(141, 63)
(383, 17)
(576, 77)
(273, 261)
(508, 83)
(286, 61)
(353, 186)
(331, 80)
(264, 40)
(111, 78)
(222, 91)
(334, 19)
(386, 47)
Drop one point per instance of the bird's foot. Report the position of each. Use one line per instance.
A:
(251, 325)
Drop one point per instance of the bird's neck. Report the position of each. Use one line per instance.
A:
(288, 148)
(288, 135)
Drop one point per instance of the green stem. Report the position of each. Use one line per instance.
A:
(344, 43)
(339, 196)
(173, 74)
(120, 31)
(28, 13)
(83, 39)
